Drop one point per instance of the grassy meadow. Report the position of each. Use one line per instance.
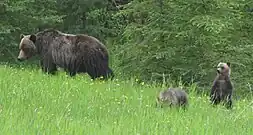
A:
(34, 103)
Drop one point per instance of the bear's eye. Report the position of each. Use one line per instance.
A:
(25, 49)
(222, 67)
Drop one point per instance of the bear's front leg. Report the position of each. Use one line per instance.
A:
(229, 102)
(48, 66)
(215, 99)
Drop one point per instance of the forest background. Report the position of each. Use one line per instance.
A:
(153, 40)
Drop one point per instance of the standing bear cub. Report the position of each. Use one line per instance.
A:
(74, 53)
(222, 88)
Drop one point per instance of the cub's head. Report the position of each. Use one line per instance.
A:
(223, 68)
(27, 47)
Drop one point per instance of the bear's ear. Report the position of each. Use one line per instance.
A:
(22, 36)
(228, 63)
(33, 38)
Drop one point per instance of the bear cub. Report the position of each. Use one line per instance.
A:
(172, 97)
(222, 88)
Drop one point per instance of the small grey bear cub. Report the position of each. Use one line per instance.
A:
(172, 97)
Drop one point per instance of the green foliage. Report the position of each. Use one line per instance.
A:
(23, 16)
(34, 103)
(85, 16)
(154, 40)
(186, 39)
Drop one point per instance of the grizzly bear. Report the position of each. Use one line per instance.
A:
(222, 88)
(172, 97)
(74, 53)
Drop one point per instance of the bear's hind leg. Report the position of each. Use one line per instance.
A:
(92, 74)
(109, 74)
(106, 73)
(71, 74)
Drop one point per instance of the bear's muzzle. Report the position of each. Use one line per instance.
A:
(21, 56)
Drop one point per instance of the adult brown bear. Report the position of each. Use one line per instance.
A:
(74, 53)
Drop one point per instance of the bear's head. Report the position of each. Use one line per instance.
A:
(27, 47)
(224, 68)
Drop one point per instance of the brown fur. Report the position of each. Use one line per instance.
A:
(222, 88)
(173, 97)
(74, 53)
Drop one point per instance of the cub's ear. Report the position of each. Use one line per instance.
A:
(228, 63)
(33, 38)
(21, 36)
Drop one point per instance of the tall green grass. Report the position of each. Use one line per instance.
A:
(34, 103)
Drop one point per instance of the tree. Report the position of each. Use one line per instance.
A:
(186, 39)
